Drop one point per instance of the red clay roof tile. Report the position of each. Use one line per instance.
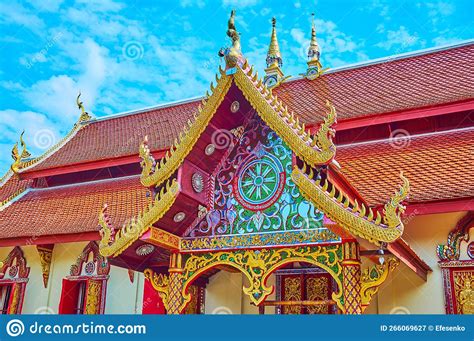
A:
(423, 80)
(439, 166)
(72, 208)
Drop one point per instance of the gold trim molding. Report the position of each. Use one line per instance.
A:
(357, 219)
(114, 242)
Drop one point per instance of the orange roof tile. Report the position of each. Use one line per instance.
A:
(393, 85)
(417, 81)
(12, 187)
(439, 166)
(72, 208)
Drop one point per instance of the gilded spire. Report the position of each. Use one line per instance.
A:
(273, 74)
(315, 68)
(273, 55)
(313, 50)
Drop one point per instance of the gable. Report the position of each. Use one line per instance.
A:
(253, 193)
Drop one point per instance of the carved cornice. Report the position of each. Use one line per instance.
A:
(115, 242)
(357, 219)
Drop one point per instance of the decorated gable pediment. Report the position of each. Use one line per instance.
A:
(254, 199)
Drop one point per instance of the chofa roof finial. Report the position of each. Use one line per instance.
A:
(84, 115)
(233, 54)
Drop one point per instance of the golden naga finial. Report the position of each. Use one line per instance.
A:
(394, 208)
(17, 156)
(84, 115)
(233, 54)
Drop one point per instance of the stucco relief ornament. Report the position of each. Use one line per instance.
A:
(197, 182)
(233, 54)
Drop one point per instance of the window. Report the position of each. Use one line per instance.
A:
(83, 291)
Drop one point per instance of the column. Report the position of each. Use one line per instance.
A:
(351, 271)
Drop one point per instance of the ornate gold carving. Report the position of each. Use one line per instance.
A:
(45, 253)
(233, 54)
(314, 150)
(464, 292)
(451, 250)
(373, 277)
(18, 156)
(358, 220)
(164, 239)
(94, 290)
(115, 242)
(84, 115)
(257, 265)
(317, 290)
(160, 283)
(257, 240)
(292, 292)
(155, 173)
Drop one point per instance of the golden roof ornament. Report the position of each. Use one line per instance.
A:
(273, 74)
(315, 68)
(18, 156)
(232, 55)
(84, 115)
(274, 55)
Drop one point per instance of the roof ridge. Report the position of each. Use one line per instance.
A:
(375, 61)
(86, 183)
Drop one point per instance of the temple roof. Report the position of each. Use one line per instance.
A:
(372, 167)
(439, 166)
(72, 208)
(390, 85)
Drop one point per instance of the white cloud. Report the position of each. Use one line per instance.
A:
(399, 39)
(337, 48)
(192, 3)
(443, 41)
(239, 3)
(37, 127)
(13, 13)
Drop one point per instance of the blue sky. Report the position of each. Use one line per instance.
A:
(126, 55)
